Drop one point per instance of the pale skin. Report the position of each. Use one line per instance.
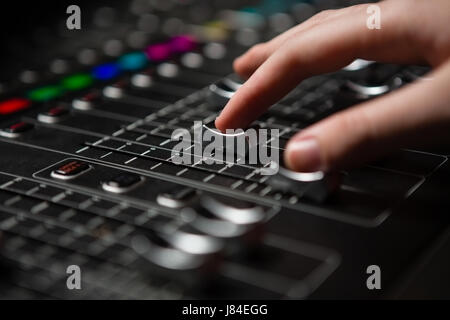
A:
(412, 32)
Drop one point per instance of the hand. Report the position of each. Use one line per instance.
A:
(412, 31)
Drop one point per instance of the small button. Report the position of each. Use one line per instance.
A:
(148, 23)
(113, 47)
(70, 170)
(53, 115)
(28, 76)
(141, 80)
(246, 37)
(167, 70)
(138, 7)
(86, 102)
(16, 130)
(122, 183)
(114, 91)
(192, 60)
(87, 56)
(214, 51)
(177, 197)
(59, 66)
(137, 39)
(172, 26)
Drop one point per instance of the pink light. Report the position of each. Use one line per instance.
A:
(183, 43)
(158, 52)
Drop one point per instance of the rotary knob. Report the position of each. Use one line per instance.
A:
(316, 186)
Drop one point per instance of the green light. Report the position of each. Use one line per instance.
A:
(77, 81)
(45, 93)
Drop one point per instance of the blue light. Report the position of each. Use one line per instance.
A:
(106, 71)
(132, 61)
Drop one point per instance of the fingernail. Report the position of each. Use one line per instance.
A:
(303, 155)
(217, 124)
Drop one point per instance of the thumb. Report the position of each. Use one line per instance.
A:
(415, 114)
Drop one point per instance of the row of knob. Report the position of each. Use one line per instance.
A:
(362, 77)
(87, 57)
(213, 229)
(208, 224)
(148, 23)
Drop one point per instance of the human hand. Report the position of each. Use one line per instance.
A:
(412, 31)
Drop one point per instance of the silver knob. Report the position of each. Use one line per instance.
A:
(232, 210)
(316, 186)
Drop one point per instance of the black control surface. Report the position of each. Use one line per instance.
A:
(87, 177)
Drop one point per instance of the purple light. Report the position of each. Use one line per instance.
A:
(158, 52)
(181, 44)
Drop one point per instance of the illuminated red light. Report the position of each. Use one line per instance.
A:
(13, 105)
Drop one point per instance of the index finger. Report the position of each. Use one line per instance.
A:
(324, 48)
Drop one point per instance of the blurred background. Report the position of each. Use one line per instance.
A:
(36, 44)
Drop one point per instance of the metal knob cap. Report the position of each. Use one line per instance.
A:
(316, 186)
